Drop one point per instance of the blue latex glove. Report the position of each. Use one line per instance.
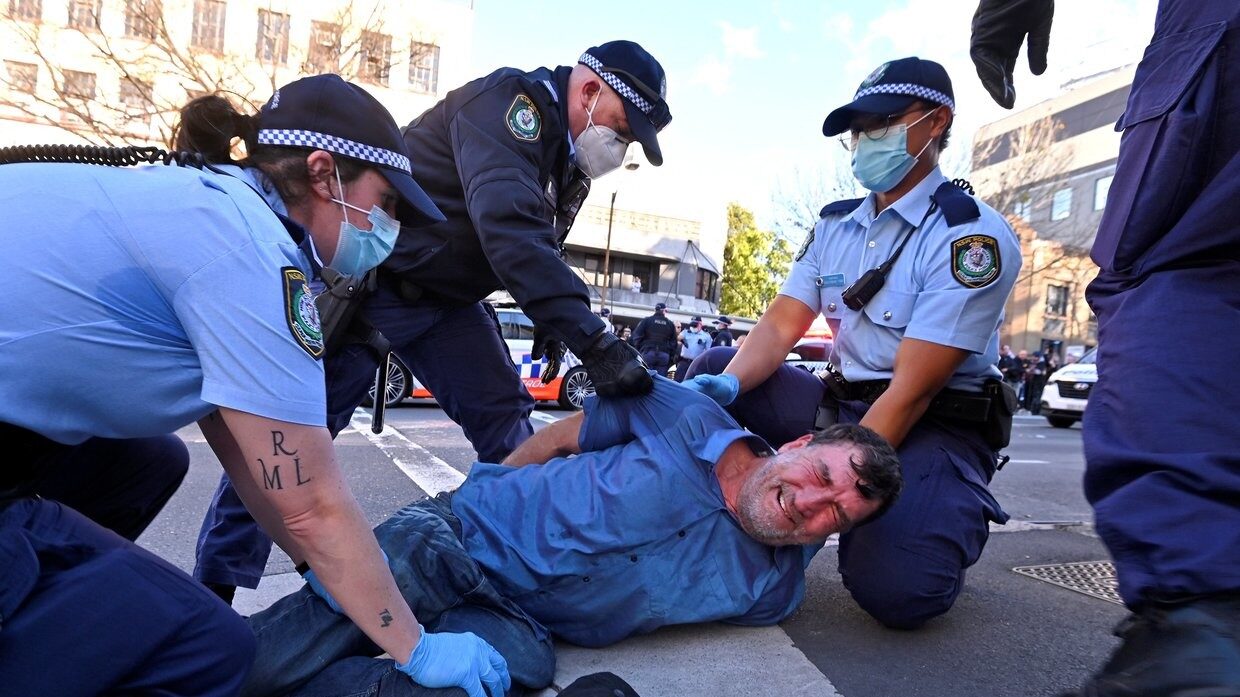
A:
(721, 388)
(320, 590)
(457, 660)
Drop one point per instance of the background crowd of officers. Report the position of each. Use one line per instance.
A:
(1027, 374)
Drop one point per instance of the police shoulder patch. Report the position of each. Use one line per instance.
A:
(300, 312)
(523, 120)
(809, 240)
(975, 260)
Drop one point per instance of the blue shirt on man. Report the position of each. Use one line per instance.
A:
(140, 300)
(633, 533)
(948, 286)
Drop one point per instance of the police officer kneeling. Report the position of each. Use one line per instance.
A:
(912, 280)
(175, 295)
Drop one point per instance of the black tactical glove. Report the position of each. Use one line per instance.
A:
(999, 28)
(552, 348)
(616, 368)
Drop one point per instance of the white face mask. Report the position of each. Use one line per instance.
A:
(599, 149)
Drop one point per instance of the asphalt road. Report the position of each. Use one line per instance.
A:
(1007, 635)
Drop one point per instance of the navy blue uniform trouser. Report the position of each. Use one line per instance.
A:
(456, 352)
(306, 649)
(84, 611)
(909, 565)
(1162, 430)
(657, 360)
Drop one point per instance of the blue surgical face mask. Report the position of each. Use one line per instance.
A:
(358, 250)
(879, 165)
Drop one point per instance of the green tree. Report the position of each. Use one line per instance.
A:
(754, 264)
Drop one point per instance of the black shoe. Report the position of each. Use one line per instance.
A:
(1183, 649)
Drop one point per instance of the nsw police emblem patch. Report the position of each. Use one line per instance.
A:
(523, 119)
(975, 261)
(809, 240)
(300, 312)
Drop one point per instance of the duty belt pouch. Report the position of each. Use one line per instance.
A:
(338, 305)
(997, 431)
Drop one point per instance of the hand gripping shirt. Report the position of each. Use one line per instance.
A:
(948, 287)
(138, 300)
(633, 533)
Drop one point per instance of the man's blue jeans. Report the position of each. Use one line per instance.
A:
(305, 648)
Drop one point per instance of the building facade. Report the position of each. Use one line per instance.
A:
(1049, 168)
(115, 72)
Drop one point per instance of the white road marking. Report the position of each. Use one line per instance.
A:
(543, 416)
(431, 474)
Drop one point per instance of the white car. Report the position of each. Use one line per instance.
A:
(570, 388)
(1067, 391)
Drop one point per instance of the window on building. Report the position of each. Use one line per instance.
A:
(84, 14)
(424, 67)
(23, 77)
(704, 289)
(79, 84)
(1056, 300)
(272, 42)
(136, 96)
(1061, 204)
(1023, 209)
(1102, 187)
(26, 9)
(208, 31)
(323, 55)
(375, 57)
(142, 17)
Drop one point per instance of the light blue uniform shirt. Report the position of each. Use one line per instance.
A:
(138, 300)
(923, 297)
(633, 534)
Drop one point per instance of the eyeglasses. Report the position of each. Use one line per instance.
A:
(874, 132)
(659, 113)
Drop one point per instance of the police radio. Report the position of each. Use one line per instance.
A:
(865, 288)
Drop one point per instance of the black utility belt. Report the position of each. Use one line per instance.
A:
(990, 411)
(955, 405)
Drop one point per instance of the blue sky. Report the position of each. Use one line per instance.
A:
(749, 83)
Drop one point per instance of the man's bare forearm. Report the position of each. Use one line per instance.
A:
(557, 440)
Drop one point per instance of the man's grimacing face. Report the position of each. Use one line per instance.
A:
(802, 494)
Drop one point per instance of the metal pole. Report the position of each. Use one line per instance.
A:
(611, 212)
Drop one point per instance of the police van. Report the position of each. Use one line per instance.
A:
(569, 388)
(1067, 391)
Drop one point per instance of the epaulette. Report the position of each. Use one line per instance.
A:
(957, 205)
(846, 206)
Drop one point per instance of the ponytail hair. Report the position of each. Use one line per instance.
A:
(210, 123)
(208, 126)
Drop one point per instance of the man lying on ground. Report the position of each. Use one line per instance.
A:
(638, 513)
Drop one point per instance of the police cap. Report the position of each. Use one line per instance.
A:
(892, 88)
(642, 85)
(323, 112)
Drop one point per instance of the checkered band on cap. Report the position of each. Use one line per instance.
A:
(908, 89)
(616, 83)
(342, 146)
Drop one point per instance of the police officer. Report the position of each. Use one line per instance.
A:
(655, 338)
(694, 341)
(182, 295)
(508, 158)
(723, 337)
(916, 341)
(1166, 247)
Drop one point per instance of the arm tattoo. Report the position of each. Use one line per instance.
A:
(271, 478)
(386, 616)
